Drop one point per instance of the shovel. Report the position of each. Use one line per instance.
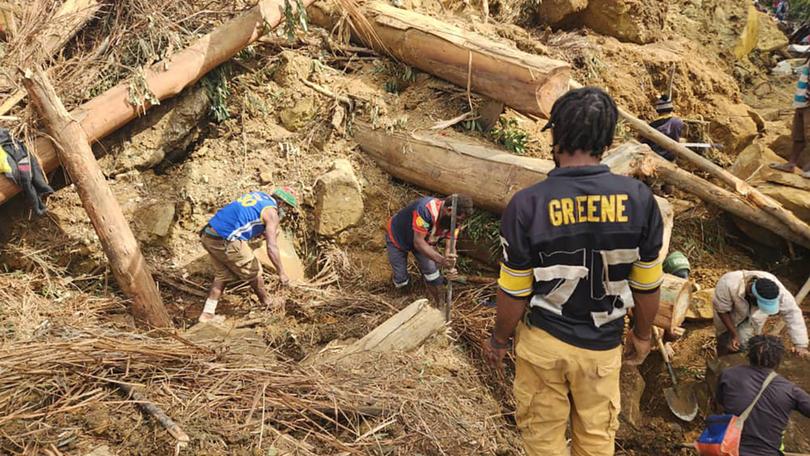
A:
(681, 399)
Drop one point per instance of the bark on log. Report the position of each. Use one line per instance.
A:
(403, 332)
(119, 244)
(526, 82)
(112, 109)
(68, 20)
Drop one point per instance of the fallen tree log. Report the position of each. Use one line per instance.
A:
(67, 21)
(111, 110)
(403, 332)
(528, 83)
(126, 260)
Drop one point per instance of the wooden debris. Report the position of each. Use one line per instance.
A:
(113, 109)
(68, 20)
(126, 260)
(526, 82)
(154, 411)
(676, 295)
(405, 331)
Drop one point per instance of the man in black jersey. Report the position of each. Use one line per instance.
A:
(579, 250)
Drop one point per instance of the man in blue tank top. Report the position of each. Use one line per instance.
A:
(226, 238)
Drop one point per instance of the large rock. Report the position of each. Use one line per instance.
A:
(164, 133)
(770, 37)
(338, 199)
(299, 114)
(154, 220)
(635, 21)
(293, 68)
(552, 12)
(732, 124)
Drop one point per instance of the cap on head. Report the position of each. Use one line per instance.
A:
(287, 194)
(767, 293)
(664, 104)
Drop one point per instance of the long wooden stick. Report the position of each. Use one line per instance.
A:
(803, 292)
(155, 412)
(451, 248)
(126, 260)
(112, 110)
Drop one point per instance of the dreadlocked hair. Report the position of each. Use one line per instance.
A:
(765, 351)
(583, 119)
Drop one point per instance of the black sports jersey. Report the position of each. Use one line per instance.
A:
(577, 243)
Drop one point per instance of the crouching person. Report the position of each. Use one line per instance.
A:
(226, 238)
(417, 229)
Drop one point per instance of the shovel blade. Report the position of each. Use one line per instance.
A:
(682, 402)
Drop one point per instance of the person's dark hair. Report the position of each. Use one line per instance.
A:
(464, 204)
(765, 351)
(583, 119)
(766, 288)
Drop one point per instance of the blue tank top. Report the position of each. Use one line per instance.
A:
(242, 219)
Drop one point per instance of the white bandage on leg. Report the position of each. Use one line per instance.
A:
(210, 306)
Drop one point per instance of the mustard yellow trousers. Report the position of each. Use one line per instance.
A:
(555, 381)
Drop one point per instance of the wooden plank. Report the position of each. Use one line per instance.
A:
(405, 331)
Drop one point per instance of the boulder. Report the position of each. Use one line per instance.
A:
(552, 12)
(338, 199)
(154, 220)
(770, 37)
(792, 191)
(293, 67)
(163, 134)
(732, 125)
(635, 21)
(299, 114)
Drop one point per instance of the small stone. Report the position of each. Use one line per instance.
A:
(156, 219)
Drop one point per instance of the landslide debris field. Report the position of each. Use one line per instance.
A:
(287, 110)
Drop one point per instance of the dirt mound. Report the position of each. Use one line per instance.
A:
(635, 21)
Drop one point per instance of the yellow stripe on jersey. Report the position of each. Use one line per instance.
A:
(646, 275)
(5, 168)
(516, 282)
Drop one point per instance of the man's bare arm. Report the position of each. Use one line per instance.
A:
(421, 245)
(271, 230)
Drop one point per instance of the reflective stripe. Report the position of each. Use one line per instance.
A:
(560, 271)
(646, 276)
(402, 285)
(432, 276)
(619, 256)
(515, 272)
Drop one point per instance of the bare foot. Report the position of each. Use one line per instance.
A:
(786, 167)
(206, 317)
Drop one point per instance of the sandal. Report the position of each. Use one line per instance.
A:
(785, 167)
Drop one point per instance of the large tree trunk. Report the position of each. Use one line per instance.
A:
(126, 260)
(112, 110)
(526, 82)
(68, 20)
